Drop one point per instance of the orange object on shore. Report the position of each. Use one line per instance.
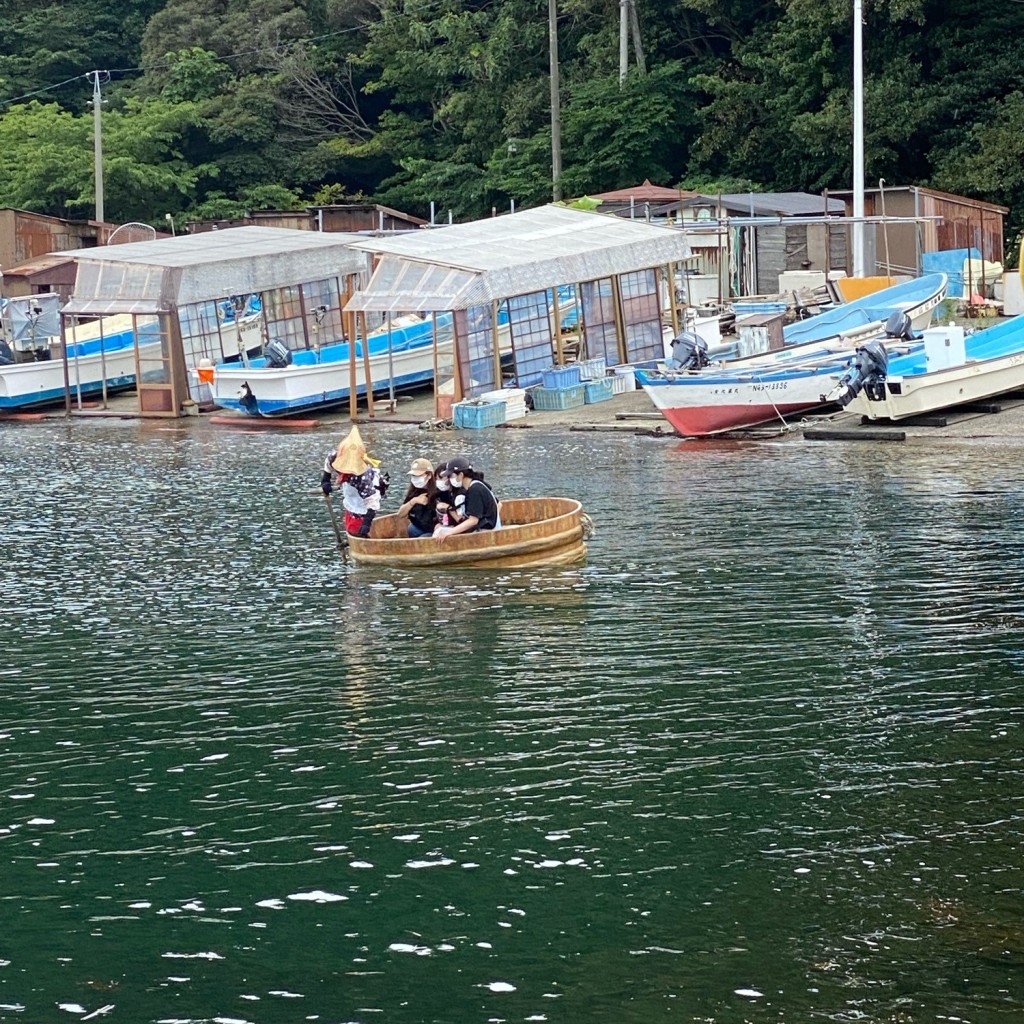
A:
(857, 287)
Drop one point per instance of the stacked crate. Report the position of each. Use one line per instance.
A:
(514, 399)
(476, 414)
(561, 388)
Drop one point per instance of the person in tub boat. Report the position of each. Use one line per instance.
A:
(479, 508)
(362, 483)
(444, 504)
(420, 500)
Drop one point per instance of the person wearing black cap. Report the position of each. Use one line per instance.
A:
(480, 510)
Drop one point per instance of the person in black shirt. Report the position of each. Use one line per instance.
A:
(420, 500)
(480, 509)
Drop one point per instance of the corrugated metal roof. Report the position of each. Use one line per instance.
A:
(766, 204)
(463, 265)
(169, 272)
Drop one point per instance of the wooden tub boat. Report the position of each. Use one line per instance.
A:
(534, 532)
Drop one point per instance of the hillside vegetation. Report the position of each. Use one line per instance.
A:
(212, 107)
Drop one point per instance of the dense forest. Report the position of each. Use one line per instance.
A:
(213, 107)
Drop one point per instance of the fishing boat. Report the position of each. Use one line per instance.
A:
(534, 532)
(700, 398)
(101, 355)
(948, 370)
(282, 381)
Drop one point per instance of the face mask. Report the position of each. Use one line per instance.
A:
(456, 480)
(419, 481)
(442, 485)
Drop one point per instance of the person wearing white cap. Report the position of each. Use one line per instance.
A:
(420, 500)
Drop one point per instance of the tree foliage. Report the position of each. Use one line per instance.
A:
(228, 105)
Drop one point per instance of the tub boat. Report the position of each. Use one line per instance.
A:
(535, 532)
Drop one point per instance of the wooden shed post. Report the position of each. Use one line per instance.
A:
(366, 366)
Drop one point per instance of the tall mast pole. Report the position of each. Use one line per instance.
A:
(859, 269)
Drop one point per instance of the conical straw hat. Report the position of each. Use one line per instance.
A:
(351, 457)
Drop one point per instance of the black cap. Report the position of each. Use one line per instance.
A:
(460, 465)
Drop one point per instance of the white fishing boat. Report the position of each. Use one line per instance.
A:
(949, 369)
(101, 355)
(282, 381)
(700, 398)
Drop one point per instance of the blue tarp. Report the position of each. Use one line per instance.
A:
(951, 263)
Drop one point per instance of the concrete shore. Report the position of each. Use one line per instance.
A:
(632, 412)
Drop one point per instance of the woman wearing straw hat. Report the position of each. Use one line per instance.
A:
(420, 500)
(362, 483)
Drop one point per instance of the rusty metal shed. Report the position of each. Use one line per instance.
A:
(162, 278)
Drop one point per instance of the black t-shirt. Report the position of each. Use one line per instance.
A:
(480, 502)
(424, 517)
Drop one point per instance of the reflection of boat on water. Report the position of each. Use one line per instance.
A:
(101, 355)
(534, 532)
(284, 381)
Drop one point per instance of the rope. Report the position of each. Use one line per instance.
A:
(588, 526)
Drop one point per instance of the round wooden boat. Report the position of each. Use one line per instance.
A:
(534, 532)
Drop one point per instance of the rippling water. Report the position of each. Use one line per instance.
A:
(759, 760)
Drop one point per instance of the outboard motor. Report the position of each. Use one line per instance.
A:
(277, 353)
(6, 352)
(866, 373)
(689, 352)
(899, 325)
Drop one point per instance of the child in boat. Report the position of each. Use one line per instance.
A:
(363, 485)
(479, 508)
(420, 500)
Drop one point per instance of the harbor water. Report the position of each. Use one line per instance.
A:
(759, 760)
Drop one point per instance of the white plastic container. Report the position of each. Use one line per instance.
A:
(944, 348)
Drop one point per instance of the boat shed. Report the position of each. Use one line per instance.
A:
(186, 287)
(519, 285)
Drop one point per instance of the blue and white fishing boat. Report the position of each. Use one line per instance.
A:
(283, 381)
(101, 355)
(700, 398)
(948, 369)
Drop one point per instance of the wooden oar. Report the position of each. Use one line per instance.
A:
(342, 540)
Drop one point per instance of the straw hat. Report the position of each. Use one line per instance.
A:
(352, 457)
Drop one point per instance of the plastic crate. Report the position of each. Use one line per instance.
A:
(555, 377)
(554, 399)
(598, 390)
(592, 369)
(623, 380)
(474, 415)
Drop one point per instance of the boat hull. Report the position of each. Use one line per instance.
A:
(535, 532)
(697, 408)
(918, 395)
(34, 384)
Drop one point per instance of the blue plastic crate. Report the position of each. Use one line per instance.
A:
(555, 399)
(598, 390)
(475, 415)
(561, 376)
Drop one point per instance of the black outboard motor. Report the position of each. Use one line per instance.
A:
(866, 373)
(277, 353)
(689, 352)
(899, 325)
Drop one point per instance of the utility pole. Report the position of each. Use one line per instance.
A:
(859, 268)
(629, 23)
(97, 128)
(556, 103)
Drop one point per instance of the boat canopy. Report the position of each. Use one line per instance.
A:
(165, 273)
(464, 265)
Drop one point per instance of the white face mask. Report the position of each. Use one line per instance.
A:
(442, 485)
(456, 479)
(419, 481)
